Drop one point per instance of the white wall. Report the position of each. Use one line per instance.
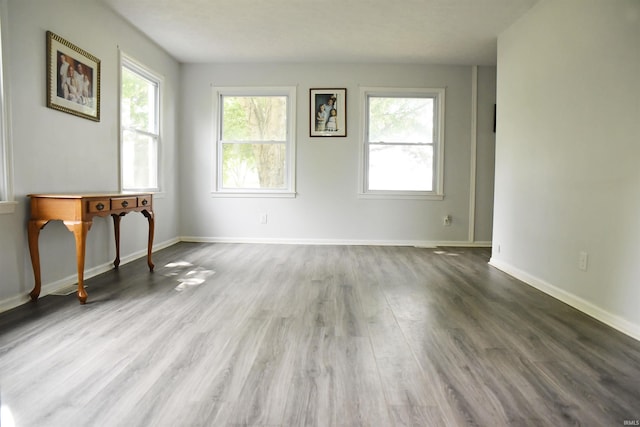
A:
(567, 153)
(486, 150)
(59, 152)
(327, 208)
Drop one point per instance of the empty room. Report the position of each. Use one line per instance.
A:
(336, 213)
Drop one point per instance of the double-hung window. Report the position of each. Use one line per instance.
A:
(255, 149)
(140, 126)
(403, 152)
(7, 205)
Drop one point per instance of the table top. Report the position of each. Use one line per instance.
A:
(83, 195)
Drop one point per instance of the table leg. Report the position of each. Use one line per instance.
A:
(151, 220)
(33, 230)
(116, 230)
(79, 230)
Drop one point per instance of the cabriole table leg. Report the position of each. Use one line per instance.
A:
(33, 230)
(80, 230)
(150, 218)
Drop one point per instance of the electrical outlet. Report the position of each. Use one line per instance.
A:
(263, 218)
(583, 259)
(447, 220)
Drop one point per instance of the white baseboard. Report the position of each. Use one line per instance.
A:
(337, 242)
(66, 282)
(616, 322)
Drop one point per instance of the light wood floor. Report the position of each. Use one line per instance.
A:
(285, 335)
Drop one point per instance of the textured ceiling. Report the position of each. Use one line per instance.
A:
(406, 31)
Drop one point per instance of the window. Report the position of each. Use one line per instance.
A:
(140, 126)
(254, 141)
(7, 205)
(403, 142)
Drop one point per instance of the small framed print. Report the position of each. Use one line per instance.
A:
(327, 112)
(73, 79)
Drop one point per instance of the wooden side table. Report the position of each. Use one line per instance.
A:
(77, 212)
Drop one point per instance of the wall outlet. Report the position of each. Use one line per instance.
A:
(583, 260)
(447, 220)
(263, 218)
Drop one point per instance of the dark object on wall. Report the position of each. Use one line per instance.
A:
(328, 112)
(494, 118)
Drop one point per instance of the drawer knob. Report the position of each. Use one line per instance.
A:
(145, 202)
(124, 204)
(100, 206)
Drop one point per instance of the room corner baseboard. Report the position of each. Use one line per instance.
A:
(590, 309)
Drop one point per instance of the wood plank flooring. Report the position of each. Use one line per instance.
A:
(287, 335)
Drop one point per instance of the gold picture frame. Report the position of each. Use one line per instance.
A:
(73, 79)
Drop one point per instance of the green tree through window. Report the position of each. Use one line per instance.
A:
(139, 114)
(254, 142)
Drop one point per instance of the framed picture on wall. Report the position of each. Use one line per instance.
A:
(328, 112)
(73, 79)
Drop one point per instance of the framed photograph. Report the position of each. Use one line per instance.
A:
(328, 112)
(73, 79)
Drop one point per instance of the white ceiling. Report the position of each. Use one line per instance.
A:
(460, 32)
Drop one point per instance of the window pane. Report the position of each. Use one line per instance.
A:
(403, 120)
(257, 166)
(4, 178)
(254, 118)
(138, 101)
(401, 167)
(139, 161)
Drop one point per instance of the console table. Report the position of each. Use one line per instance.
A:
(77, 212)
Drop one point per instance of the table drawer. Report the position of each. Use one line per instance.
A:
(96, 206)
(144, 201)
(123, 203)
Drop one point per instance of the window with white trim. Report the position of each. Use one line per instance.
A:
(255, 150)
(139, 126)
(7, 204)
(403, 142)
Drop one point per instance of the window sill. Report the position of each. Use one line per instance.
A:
(223, 194)
(400, 196)
(157, 194)
(7, 207)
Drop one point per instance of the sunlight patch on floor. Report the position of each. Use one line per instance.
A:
(186, 275)
(445, 253)
(6, 417)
